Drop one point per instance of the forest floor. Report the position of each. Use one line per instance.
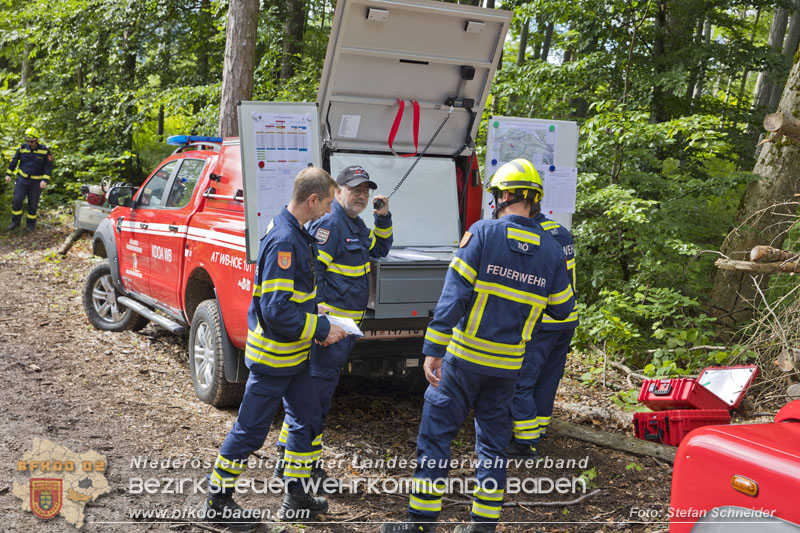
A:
(129, 397)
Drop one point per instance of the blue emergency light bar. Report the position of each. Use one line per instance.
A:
(179, 140)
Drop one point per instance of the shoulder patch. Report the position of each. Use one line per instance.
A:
(465, 239)
(322, 235)
(284, 260)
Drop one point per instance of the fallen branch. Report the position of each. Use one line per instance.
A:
(612, 440)
(594, 412)
(768, 254)
(757, 268)
(74, 236)
(620, 366)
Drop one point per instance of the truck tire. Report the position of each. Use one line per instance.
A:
(206, 363)
(100, 303)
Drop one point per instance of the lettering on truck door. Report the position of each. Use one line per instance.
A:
(168, 234)
(134, 234)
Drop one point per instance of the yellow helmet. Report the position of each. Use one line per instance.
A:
(518, 174)
(31, 134)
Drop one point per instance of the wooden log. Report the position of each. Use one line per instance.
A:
(74, 236)
(757, 268)
(612, 440)
(768, 254)
(782, 123)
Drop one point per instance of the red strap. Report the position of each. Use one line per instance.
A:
(401, 105)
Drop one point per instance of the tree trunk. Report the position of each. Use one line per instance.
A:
(657, 113)
(768, 208)
(293, 37)
(523, 45)
(237, 73)
(27, 69)
(790, 43)
(548, 39)
(746, 73)
(776, 33)
(701, 75)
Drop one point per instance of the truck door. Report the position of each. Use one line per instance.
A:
(134, 230)
(168, 234)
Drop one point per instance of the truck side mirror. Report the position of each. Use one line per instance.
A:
(121, 195)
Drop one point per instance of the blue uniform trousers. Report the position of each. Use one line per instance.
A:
(32, 189)
(325, 367)
(262, 396)
(542, 369)
(445, 409)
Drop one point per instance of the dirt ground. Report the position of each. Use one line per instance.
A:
(129, 396)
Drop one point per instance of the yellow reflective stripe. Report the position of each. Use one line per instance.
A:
(384, 233)
(225, 482)
(325, 257)
(570, 263)
(550, 225)
(344, 313)
(528, 434)
(426, 486)
(301, 297)
(533, 317)
(505, 363)
(275, 361)
(466, 271)
(16, 212)
(573, 316)
(560, 297)
(21, 173)
(272, 285)
(524, 236)
(317, 440)
(508, 293)
(289, 471)
(437, 337)
(284, 434)
(486, 510)
(372, 239)
(347, 270)
(40, 151)
(425, 505)
(297, 456)
(45, 177)
(28, 215)
(526, 424)
(228, 465)
(476, 314)
(482, 344)
(494, 495)
(310, 327)
(36, 177)
(255, 338)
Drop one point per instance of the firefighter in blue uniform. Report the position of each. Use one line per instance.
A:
(33, 165)
(282, 324)
(505, 274)
(345, 245)
(545, 358)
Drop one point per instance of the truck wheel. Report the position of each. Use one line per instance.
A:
(100, 303)
(206, 362)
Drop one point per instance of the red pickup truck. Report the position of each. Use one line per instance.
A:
(175, 255)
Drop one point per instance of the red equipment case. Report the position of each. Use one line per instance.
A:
(670, 427)
(714, 388)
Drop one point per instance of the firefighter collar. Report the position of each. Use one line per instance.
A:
(288, 217)
(351, 223)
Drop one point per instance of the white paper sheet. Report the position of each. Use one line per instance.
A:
(347, 324)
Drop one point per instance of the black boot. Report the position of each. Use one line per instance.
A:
(279, 464)
(14, 225)
(300, 505)
(220, 508)
(30, 228)
(476, 527)
(412, 524)
(521, 451)
(324, 483)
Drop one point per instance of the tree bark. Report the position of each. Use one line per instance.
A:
(27, 69)
(767, 210)
(768, 254)
(237, 73)
(746, 73)
(548, 39)
(523, 45)
(757, 268)
(612, 440)
(701, 74)
(293, 37)
(776, 33)
(790, 43)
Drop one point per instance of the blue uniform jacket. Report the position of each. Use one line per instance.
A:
(344, 247)
(35, 164)
(564, 238)
(504, 275)
(282, 321)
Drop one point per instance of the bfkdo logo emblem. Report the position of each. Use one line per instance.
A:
(46, 497)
